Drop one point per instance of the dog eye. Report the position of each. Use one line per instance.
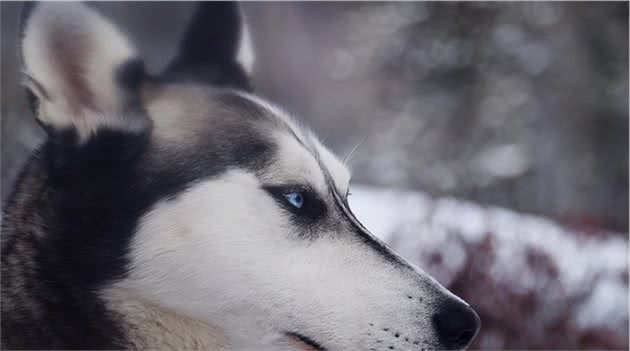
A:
(295, 199)
(305, 206)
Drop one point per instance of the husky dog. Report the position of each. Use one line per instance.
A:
(179, 211)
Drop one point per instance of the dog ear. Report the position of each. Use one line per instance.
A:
(210, 47)
(80, 71)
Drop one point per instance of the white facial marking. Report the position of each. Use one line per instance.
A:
(224, 252)
(337, 170)
(295, 165)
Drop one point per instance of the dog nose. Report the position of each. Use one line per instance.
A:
(456, 324)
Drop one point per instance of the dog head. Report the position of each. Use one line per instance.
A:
(217, 205)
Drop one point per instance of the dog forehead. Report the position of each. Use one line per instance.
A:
(190, 115)
(302, 154)
(293, 163)
(338, 171)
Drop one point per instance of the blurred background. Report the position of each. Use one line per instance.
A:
(492, 141)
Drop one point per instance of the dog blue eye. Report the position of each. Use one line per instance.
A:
(295, 199)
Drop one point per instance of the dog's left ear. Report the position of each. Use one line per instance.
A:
(211, 45)
(82, 72)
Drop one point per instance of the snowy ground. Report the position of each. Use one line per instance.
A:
(575, 278)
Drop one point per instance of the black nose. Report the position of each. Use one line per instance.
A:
(456, 324)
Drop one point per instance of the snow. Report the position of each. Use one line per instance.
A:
(419, 226)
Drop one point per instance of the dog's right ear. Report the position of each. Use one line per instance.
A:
(80, 70)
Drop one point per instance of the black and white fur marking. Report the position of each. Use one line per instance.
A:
(153, 215)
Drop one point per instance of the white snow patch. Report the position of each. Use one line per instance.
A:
(415, 224)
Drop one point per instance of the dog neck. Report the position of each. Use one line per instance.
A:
(149, 326)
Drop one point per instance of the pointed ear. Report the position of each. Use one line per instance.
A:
(210, 48)
(82, 71)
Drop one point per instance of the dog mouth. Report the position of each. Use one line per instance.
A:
(303, 343)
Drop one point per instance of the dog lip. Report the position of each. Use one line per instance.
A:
(306, 340)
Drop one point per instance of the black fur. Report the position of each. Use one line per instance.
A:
(78, 244)
(306, 340)
(67, 225)
(360, 231)
(130, 75)
(32, 101)
(90, 199)
(307, 217)
(208, 51)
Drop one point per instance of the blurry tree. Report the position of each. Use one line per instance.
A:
(523, 105)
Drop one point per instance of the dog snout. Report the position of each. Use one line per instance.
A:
(456, 324)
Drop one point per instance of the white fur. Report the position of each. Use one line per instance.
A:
(225, 253)
(223, 264)
(149, 326)
(295, 166)
(338, 171)
(245, 53)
